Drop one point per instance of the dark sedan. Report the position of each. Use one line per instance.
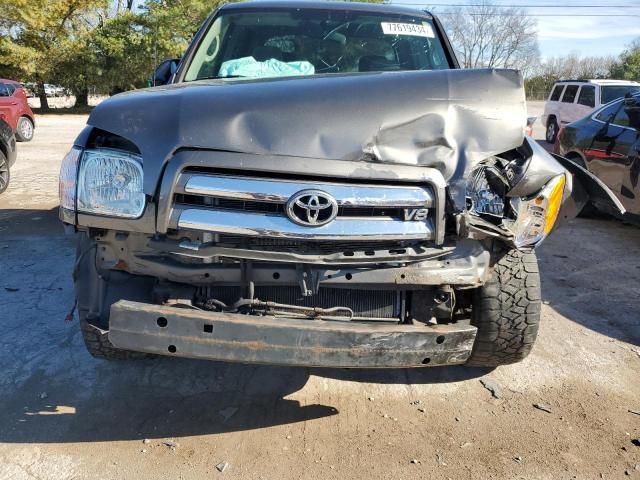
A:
(607, 143)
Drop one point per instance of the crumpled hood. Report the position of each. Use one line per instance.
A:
(446, 119)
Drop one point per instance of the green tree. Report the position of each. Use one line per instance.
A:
(37, 35)
(629, 66)
(122, 52)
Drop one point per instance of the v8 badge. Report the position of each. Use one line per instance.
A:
(415, 214)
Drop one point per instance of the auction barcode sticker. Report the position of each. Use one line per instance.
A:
(414, 29)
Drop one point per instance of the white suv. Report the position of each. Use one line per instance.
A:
(571, 100)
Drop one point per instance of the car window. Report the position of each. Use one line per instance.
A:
(621, 118)
(587, 96)
(288, 42)
(11, 88)
(555, 95)
(614, 114)
(611, 92)
(4, 91)
(570, 94)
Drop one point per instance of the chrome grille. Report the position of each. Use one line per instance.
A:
(266, 207)
(255, 207)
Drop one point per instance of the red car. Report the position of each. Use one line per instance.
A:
(15, 110)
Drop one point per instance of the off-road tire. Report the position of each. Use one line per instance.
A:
(506, 311)
(21, 136)
(98, 345)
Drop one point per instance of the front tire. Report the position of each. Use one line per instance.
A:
(25, 130)
(98, 345)
(506, 311)
(93, 307)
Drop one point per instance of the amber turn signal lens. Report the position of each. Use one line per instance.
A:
(555, 201)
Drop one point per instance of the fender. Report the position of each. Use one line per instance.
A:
(587, 187)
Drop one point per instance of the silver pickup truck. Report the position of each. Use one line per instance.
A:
(316, 184)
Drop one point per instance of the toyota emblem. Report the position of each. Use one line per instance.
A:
(312, 208)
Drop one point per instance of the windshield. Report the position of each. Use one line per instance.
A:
(274, 43)
(610, 93)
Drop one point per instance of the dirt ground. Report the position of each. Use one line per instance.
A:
(65, 415)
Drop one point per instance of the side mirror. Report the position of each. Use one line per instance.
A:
(632, 109)
(165, 72)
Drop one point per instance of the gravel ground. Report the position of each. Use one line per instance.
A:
(65, 415)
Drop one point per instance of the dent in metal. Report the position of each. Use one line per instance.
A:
(540, 169)
(446, 120)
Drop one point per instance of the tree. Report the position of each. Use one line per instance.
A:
(37, 35)
(542, 76)
(485, 35)
(628, 68)
(124, 49)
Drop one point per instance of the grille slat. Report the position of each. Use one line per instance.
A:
(265, 207)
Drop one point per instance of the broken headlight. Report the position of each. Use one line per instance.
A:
(536, 216)
(524, 221)
(486, 191)
(110, 183)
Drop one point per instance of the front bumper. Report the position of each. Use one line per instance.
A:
(285, 341)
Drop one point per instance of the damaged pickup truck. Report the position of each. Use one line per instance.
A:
(316, 184)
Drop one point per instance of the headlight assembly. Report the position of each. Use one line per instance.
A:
(110, 182)
(525, 221)
(536, 216)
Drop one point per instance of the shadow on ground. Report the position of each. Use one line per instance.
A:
(173, 398)
(16, 222)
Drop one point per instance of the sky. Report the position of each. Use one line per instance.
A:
(565, 29)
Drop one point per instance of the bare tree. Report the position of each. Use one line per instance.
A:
(573, 66)
(545, 74)
(485, 35)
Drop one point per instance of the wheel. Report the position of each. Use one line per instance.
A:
(94, 326)
(506, 311)
(5, 173)
(25, 130)
(98, 345)
(552, 130)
